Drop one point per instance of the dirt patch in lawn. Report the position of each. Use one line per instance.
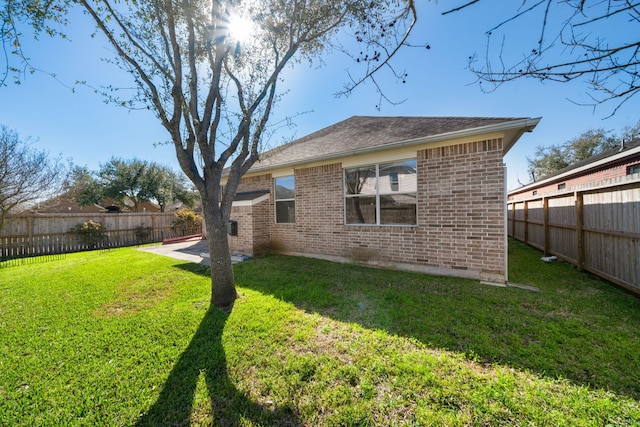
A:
(137, 294)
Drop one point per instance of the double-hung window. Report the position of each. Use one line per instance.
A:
(382, 194)
(285, 200)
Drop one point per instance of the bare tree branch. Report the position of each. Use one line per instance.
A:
(456, 9)
(609, 63)
(26, 174)
(386, 61)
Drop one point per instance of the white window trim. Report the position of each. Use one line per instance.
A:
(276, 200)
(377, 195)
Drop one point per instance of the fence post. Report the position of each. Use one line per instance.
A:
(154, 224)
(30, 234)
(580, 229)
(513, 219)
(545, 221)
(526, 221)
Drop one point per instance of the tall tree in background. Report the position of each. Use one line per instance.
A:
(210, 71)
(169, 187)
(595, 41)
(631, 132)
(122, 180)
(135, 180)
(550, 159)
(26, 174)
(83, 187)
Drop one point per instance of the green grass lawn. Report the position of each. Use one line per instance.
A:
(125, 337)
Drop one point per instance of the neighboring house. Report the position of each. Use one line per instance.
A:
(587, 214)
(142, 207)
(423, 194)
(64, 204)
(610, 166)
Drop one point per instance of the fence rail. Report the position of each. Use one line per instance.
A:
(597, 229)
(45, 235)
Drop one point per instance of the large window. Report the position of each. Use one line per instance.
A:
(285, 200)
(383, 194)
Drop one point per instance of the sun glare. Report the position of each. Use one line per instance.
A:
(240, 29)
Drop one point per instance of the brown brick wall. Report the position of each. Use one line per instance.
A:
(243, 242)
(254, 224)
(460, 227)
(255, 183)
(319, 213)
(461, 206)
(262, 221)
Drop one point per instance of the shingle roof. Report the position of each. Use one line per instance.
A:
(362, 133)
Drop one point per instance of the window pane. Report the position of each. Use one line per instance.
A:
(286, 212)
(360, 180)
(285, 188)
(398, 177)
(361, 210)
(398, 209)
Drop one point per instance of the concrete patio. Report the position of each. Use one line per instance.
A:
(194, 250)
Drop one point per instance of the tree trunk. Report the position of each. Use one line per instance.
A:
(223, 289)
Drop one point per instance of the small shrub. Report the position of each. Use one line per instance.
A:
(186, 221)
(90, 233)
(143, 234)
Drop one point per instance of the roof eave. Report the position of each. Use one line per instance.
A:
(524, 126)
(519, 127)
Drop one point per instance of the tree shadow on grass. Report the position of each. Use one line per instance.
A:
(228, 406)
(553, 333)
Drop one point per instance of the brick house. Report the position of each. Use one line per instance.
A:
(423, 194)
(65, 204)
(609, 167)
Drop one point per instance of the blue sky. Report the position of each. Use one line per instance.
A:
(80, 126)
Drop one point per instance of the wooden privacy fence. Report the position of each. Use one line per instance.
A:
(47, 234)
(597, 229)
